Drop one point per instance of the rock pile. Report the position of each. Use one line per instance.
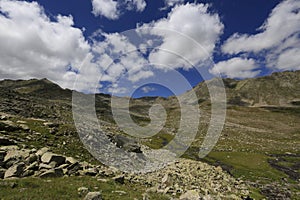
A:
(15, 162)
(193, 180)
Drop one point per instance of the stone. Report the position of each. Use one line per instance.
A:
(44, 166)
(119, 179)
(93, 196)
(32, 158)
(165, 179)
(42, 151)
(71, 160)
(51, 125)
(3, 117)
(64, 166)
(33, 166)
(53, 164)
(82, 191)
(50, 157)
(14, 171)
(120, 192)
(52, 173)
(190, 195)
(9, 148)
(24, 127)
(74, 168)
(15, 156)
(12, 154)
(28, 173)
(90, 172)
(103, 180)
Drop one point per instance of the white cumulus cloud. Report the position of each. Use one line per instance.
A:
(283, 22)
(33, 46)
(170, 3)
(112, 9)
(278, 38)
(236, 68)
(147, 89)
(188, 32)
(106, 8)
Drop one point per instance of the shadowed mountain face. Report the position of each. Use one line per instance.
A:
(260, 142)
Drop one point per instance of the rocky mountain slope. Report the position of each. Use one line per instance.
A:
(277, 89)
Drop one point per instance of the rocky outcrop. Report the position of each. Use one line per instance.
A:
(20, 163)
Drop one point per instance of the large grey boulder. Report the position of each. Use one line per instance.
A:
(51, 157)
(93, 196)
(32, 158)
(14, 156)
(42, 151)
(52, 173)
(14, 171)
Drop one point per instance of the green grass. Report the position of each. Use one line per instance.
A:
(249, 166)
(159, 140)
(66, 188)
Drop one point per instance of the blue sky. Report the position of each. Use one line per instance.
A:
(83, 42)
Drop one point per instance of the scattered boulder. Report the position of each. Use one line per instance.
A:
(42, 151)
(90, 172)
(33, 166)
(14, 156)
(52, 173)
(73, 169)
(32, 158)
(14, 171)
(51, 125)
(93, 196)
(71, 160)
(44, 166)
(4, 117)
(9, 148)
(24, 127)
(82, 191)
(28, 173)
(51, 157)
